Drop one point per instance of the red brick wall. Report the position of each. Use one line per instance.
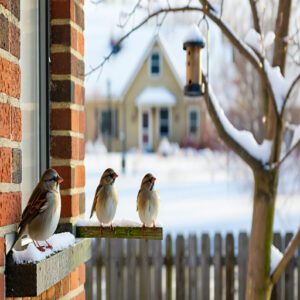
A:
(10, 125)
(67, 103)
(67, 125)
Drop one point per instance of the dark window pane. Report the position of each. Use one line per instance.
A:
(155, 63)
(145, 120)
(193, 115)
(164, 114)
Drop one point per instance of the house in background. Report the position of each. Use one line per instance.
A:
(138, 99)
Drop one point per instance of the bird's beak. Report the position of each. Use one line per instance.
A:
(115, 176)
(153, 179)
(59, 180)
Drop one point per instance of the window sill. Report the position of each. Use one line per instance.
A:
(29, 280)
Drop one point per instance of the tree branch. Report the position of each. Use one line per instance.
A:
(256, 21)
(287, 154)
(288, 255)
(229, 140)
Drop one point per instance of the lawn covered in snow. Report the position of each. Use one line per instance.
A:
(200, 191)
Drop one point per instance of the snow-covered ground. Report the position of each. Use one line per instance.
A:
(199, 191)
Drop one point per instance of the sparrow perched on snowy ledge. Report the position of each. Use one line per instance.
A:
(106, 198)
(41, 215)
(148, 201)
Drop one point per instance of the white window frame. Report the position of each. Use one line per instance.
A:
(158, 121)
(152, 75)
(197, 110)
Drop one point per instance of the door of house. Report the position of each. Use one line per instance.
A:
(146, 129)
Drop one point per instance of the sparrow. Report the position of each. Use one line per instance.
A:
(41, 216)
(106, 198)
(148, 201)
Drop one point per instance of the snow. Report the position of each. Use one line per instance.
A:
(280, 85)
(193, 35)
(200, 191)
(116, 223)
(244, 138)
(155, 96)
(31, 254)
(258, 42)
(276, 257)
(296, 135)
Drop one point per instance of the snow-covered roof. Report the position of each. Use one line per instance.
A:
(155, 96)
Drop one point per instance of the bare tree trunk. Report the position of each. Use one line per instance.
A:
(259, 286)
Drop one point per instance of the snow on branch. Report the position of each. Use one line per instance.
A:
(285, 259)
(279, 84)
(276, 257)
(259, 42)
(244, 138)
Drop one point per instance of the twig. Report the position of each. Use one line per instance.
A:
(256, 21)
(287, 154)
(288, 255)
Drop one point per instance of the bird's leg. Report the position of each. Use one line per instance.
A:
(48, 245)
(101, 228)
(154, 227)
(38, 246)
(111, 227)
(143, 227)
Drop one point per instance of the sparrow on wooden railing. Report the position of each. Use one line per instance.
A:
(106, 198)
(148, 201)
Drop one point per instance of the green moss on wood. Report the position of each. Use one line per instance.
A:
(120, 232)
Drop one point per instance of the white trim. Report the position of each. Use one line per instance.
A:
(155, 50)
(158, 122)
(150, 128)
(196, 109)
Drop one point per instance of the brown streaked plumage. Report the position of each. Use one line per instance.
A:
(41, 215)
(106, 198)
(148, 201)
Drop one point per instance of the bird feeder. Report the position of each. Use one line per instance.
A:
(193, 43)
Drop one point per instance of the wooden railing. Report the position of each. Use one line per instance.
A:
(181, 268)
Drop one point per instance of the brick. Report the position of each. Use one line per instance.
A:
(6, 163)
(79, 94)
(66, 285)
(58, 290)
(67, 147)
(51, 293)
(82, 274)
(2, 252)
(14, 40)
(61, 34)
(60, 9)
(74, 279)
(67, 63)
(62, 91)
(80, 43)
(9, 78)
(79, 16)
(69, 206)
(2, 287)
(5, 117)
(10, 208)
(15, 8)
(4, 34)
(16, 124)
(67, 119)
(17, 165)
(82, 203)
(74, 177)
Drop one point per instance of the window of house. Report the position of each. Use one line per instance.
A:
(164, 116)
(109, 122)
(155, 68)
(34, 93)
(193, 121)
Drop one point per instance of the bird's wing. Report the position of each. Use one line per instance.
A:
(95, 199)
(37, 203)
(137, 200)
